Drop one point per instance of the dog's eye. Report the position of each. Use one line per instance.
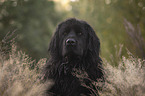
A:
(79, 33)
(65, 33)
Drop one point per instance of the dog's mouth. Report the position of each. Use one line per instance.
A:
(71, 53)
(71, 49)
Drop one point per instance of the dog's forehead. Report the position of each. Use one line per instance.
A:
(72, 26)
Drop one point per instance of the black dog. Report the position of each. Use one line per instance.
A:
(73, 46)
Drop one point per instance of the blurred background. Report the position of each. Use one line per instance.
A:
(120, 24)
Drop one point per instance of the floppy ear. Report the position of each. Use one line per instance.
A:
(93, 40)
(54, 43)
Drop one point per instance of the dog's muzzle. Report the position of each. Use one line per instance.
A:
(71, 42)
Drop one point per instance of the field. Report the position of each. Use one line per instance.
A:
(26, 28)
(19, 77)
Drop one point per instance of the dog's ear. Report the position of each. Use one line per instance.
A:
(93, 40)
(54, 43)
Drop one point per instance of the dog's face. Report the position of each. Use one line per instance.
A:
(73, 39)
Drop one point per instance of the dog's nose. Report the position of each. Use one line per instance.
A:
(71, 41)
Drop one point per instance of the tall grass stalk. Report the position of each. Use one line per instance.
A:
(136, 37)
(126, 79)
(16, 77)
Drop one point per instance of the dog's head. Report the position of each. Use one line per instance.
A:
(74, 38)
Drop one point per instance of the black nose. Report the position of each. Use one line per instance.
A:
(71, 42)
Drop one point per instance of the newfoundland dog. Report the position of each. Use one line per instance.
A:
(74, 46)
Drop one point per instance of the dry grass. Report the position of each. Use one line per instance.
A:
(128, 79)
(16, 77)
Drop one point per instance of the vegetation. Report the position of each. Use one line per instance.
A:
(107, 18)
(35, 22)
(118, 23)
(125, 80)
(17, 78)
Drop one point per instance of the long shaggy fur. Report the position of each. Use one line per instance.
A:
(60, 69)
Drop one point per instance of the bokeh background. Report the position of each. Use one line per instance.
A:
(118, 23)
(26, 27)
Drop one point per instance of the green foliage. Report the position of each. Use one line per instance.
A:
(107, 18)
(35, 20)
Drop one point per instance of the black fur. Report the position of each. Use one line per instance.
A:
(83, 56)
